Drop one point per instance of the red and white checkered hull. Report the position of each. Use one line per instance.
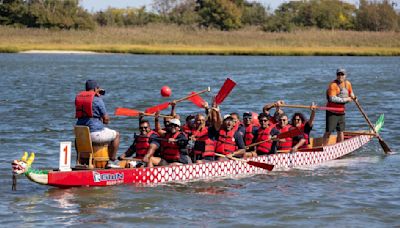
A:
(194, 172)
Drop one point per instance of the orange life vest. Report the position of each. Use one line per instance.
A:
(83, 104)
(226, 142)
(264, 134)
(142, 144)
(344, 91)
(287, 145)
(171, 150)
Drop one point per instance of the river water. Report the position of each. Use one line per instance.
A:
(37, 108)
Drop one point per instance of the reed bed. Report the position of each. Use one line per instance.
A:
(170, 39)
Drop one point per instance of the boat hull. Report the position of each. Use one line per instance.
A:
(194, 172)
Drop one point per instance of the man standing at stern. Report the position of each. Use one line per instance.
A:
(338, 94)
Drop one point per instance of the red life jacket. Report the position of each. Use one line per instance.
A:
(248, 135)
(83, 104)
(186, 129)
(264, 134)
(287, 145)
(226, 142)
(142, 144)
(209, 148)
(344, 91)
(305, 136)
(171, 150)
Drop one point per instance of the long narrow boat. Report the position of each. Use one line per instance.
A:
(194, 172)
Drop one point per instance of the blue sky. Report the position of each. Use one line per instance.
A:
(96, 5)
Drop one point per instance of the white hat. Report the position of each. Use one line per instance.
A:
(175, 121)
(227, 116)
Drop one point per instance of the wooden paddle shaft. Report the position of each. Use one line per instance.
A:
(150, 114)
(192, 95)
(366, 117)
(296, 106)
(358, 133)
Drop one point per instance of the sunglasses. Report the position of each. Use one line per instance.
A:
(340, 74)
(264, 120)
(297, 119)
(143, 127)
(283, 120)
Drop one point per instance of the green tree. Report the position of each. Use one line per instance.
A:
(253, 13)
(377, 16)
(221, 14)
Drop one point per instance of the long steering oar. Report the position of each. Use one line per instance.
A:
(289, 134)
(384, 146)
(165, 105)
(226, 88)
(261, 165)
(333, 109)
(132, 112)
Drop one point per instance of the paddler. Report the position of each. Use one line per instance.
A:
(300, 121)
(251, 133)
(173, 147)
(266, 134)
(338, 94)
(141, 144)
(229, 141)
(284, 126)
(90, 111)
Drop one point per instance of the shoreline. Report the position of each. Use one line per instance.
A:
(233, 51)
(57, 52)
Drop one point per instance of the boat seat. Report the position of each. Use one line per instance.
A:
(89, 154)
(316, 142)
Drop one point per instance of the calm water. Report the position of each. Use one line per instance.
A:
(36, 112)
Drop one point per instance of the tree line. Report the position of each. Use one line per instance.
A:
(217, 14)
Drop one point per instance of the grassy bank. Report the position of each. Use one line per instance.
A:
(159, 39)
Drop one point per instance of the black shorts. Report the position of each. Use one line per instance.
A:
(334, 122)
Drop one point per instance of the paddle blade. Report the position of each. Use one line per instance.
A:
(224, 91)
(126, 112)
(384, 146)
(197, 100)
(157, 108)
(333, 109)
(291, 133)
(261, 165)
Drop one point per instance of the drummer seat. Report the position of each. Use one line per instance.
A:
(89, 155)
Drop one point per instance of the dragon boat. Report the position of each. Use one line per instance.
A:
(314, 155)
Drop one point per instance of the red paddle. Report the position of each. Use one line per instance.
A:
(197, 100)
(261, 165)
(226, 88)
(157, 108)
(132, 112)
(165, 105)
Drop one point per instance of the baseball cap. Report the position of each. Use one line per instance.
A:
(175, 121)
(340, 70)
(91, 84)
(247, 114)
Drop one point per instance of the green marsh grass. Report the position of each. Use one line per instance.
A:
(170, 39)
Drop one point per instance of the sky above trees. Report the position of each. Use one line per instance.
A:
(96, 5)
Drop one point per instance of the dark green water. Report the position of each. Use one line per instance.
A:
(36, 112)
